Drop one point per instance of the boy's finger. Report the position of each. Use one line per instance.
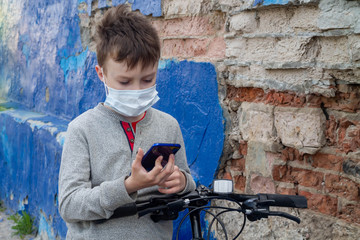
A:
(167, 171)
(168, 190)
(172, 161)
(170, 165)
(158, 167)
(139, 156)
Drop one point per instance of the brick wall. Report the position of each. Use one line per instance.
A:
(289, 84)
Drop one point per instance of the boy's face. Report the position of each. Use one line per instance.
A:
(119, 77)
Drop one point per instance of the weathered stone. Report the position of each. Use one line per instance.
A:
(334, 50)
(244, 22)
(311, 227)
(290, 79)
(180, 8)
(352, 168)
(235, 47)
(305, 19)
(256, 122)
(287, 65)
(338, 14)
(256, 160)
(301, 128)
(275, 20)
(254, 4)
(354, 43)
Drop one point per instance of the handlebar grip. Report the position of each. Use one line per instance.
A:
(126, 210)
(295, 201)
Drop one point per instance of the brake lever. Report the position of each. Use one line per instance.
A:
(256, 209)
(285, 215)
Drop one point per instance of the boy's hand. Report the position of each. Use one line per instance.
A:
(175, 183)
(140, 178)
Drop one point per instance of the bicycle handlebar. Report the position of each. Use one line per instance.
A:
(254, 207)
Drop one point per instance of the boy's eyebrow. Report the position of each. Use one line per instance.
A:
(124, 77)
(129, 78)
(150, 75)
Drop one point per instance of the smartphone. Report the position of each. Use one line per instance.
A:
(157, 150)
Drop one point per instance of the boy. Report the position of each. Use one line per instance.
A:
(105, 144)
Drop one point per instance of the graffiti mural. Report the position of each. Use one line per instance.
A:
(47, 78)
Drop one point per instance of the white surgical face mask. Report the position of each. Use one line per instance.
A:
(130, 103)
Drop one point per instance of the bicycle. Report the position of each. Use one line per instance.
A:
(254, 207)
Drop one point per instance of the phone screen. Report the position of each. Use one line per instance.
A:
(156, 151)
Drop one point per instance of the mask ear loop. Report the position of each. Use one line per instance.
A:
(104, 78)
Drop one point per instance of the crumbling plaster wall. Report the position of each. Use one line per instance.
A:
(292, 94)
(289, 84)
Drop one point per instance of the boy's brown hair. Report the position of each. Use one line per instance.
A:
(127, 36)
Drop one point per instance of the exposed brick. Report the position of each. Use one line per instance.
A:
(158, 25)
(216, 49)
(243, 148)
(304, 177)
(321, 203)
(240, 182)
(352, 167)
(227, 176)
(350, 213)
(186, 26)
(330, 133)
(285, 99)
(349, 135)
(342, 187)
(327, 161)
(352, 143)
(313, 100)
(272, 157)
(343, 134)
(286, 191)
(238, 164)
(246, 94)
(348, 102)
(291, 154)
(260, 184)
(184, 48)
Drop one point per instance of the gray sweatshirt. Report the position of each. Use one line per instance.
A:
(96, 159)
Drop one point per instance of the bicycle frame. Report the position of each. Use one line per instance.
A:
(195, 225)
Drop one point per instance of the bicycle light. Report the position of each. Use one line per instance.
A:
(223, 186)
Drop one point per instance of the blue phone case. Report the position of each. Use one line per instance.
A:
(159, 149)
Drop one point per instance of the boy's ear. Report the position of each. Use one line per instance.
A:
(99, 73)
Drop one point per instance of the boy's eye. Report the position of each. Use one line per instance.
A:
(124, 83)
(148, 81)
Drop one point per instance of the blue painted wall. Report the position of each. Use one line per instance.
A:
(270, 2)
(47, 78)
